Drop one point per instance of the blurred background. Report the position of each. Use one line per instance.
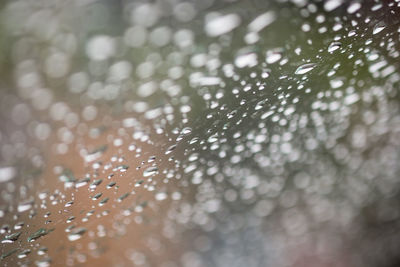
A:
(199, 133)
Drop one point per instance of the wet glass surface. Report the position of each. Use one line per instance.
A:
(199, 133)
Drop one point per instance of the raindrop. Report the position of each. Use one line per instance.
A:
(11, 238)
(121, 198)
(96, 153)
(161, 196)
(103, 201)
(42, 251)
(97, 196)
(186, 131)
(18, 225)
(380, 26)
(353, 7)
(43, 263)
(246, 60)
(70, 219)
(7, 174)
(24, 206)
(24, 253)
(332, 4)
(39, 233)
(121, 168)
(262, 21)
(150, 171)
(7, 254)
(138, 183)
(194, 140)
(76, 234)
(82, 182)
(221, 24)
(213, 138)
(95, 183)
(111, 184)
(334, 46)
(170, 149)
(231, 85)
(273, 56)
(69, 228)
(68, 204)
(305, 68)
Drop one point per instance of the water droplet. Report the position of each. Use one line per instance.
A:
(39, 233)
(353, 7)
(170, 149)
(194, 140)
(221, 24)
(19, 225)
(121, 168)
(43, 263)
(380, 26)
(42, 251)
(150, 171)
(97, 196)
(7, 174)
(82, 182)
(11, 238)
(96, 153)
(246, 60)
(161, 196)
(332, 4)
(303, 69)
(336, 83)
(23, 253)
(272, 57)
(67, 176)
(186, 131)
(213, 138)
(334, 46)
(95, 183)
(103, 201)
(68, 204)
(262, 21)
(24, 206)
(9, 253)
(111, 184)
(76, 234)
(138, 183)
(123, 197)
(69, 228)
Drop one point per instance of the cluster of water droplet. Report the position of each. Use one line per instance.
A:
(197, 134)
